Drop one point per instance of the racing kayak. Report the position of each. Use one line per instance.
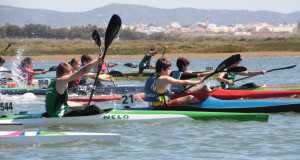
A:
(121, 89)
(212, 104)
(270, 88)
(36, 137)
(113, 115)
(217, 93)
(242, 94)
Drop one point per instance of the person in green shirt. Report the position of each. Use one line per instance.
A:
(146, 61)
(227, 78)
(57, 104)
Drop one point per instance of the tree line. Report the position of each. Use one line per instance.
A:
(43, 31)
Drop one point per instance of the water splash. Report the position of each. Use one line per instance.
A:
(17, 76)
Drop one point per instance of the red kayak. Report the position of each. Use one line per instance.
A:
(104, 98)
(217, 93)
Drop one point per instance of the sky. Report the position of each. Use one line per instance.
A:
(282, 6)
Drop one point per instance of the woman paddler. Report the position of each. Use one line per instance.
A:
(156, 92)
(57, 104)
(27, 72)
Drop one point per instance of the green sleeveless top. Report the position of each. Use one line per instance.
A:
(56, 104)
(145, 61)
(229, 76)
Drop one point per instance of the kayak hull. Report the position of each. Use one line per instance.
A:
(98, 90)
(33, 137)
(217, 93)
(215, 105)
(133, 116)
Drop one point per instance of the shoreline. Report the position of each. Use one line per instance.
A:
(167, 55)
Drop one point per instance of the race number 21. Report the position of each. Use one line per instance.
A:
(127, 100)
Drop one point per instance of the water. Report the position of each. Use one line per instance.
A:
(277, 139)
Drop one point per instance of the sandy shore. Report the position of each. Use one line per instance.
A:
(168, 55)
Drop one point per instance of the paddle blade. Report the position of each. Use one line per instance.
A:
(96, 38)
(112, 30)
(132, 65)
(53, 68)
(225, 64)
(236, 69)
(6, 47)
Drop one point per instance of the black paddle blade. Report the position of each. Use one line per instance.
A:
(112, 30)
(96, 38)
(6, 47)
(53, 68)
(132, 65)
(236, 69)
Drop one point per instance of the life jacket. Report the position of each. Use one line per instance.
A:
(177, 89)
(27, 75)
(154, 95)
(230, 76)
(103, 67)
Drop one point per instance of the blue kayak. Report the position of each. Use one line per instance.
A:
(98, 90)
(212, 104)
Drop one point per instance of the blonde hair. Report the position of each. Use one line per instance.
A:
(63, 68)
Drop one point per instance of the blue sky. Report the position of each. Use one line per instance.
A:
(282, 6)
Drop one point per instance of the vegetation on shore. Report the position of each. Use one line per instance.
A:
(190, 44)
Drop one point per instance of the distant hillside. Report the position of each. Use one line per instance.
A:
(134, 14)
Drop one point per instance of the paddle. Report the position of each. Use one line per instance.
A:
(164, 52)
(236, 69)
(6, 48)
(225, 64)
(131, 65)
(111, 32)
(53, 68)
(275, 69)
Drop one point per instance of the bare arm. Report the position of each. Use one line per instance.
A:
(155, 51)
(62, 83)
(251, 73)
(204, 74)
(163, 81)
(222, 79)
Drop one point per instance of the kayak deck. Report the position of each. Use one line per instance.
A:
(134, 116)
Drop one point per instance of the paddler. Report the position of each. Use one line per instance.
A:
(183, 74)
(27, 72)
(85, 59)
(146, 61)
(156, 92)
(227, 78)
(57, 104)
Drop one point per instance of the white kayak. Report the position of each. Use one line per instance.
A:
(36, 137)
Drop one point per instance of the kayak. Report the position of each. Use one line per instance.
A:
(212, 104)
(243, 94)
(103, 98)
(36, 137)
(113, 115)
(270, 88)
(121, 89)
(217, 93)
(11, 127)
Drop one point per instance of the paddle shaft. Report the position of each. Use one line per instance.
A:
(6, 48)
(111, 31)
(275, 69)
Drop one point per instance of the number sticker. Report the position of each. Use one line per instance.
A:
(6, 109)
(43, 83)
(127, 100)
(209, 68)
(3, 83)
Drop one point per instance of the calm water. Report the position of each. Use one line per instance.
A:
(277, 139)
